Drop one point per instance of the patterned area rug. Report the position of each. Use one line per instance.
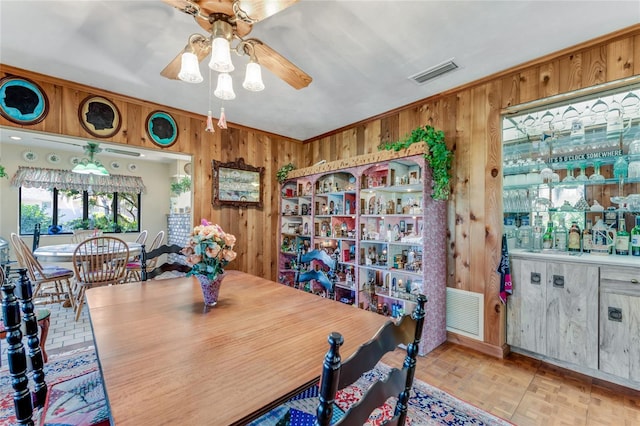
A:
(75, 396)
(427, 406)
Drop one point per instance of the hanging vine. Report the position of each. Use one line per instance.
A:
(438, 157)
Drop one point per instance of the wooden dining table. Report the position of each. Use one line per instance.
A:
(167, 359)
(64, 252)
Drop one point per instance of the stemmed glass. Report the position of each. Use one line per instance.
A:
(630, 104)
(582, 177)
(569, 177)
(596, 177)
(599, 111)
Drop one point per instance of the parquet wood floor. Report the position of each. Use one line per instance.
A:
(526, 391)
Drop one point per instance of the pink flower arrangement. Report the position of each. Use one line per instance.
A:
(209, 249)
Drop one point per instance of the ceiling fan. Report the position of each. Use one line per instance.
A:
(233, 20)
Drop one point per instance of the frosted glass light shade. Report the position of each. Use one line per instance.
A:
(190, 68)
(220, 55)
(253, 78)
(224, 90)
(90, 168)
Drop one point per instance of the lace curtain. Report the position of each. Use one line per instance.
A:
(32, 177)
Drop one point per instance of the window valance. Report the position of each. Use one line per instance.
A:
(32, 177)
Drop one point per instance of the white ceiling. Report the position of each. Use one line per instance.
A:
(359, 53)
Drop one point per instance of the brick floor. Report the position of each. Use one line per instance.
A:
(64, 332)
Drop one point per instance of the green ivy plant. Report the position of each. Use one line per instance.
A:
(181, 186)
(283, 172)
(3, 173)
(437, 155)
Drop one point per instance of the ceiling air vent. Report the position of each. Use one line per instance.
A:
(434, 72)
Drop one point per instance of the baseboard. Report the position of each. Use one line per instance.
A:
(483, 347)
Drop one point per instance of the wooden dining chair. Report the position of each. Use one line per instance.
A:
(53, 283)
(337, 375)
(147, 273)
(142, 237)
(134, 267)
(36, 237)
(38, 402)
(79, 235)
(97, 262)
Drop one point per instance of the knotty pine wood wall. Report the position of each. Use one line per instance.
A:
(469, 116)
(255, 229)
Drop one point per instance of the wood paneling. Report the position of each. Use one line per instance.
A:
(469, 116)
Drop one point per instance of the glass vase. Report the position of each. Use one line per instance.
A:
(210, 288)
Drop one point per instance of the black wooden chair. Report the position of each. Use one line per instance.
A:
(146, 273)
(36, 237)
(337, 375)
(23, 399)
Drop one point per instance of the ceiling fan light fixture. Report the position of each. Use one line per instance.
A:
(190, 68)
(253, 77)
(224, 89)
(221, 55)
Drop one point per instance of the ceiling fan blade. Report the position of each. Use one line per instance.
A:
(201, 48)
(279, 65)
(254, 11)
(186, 6)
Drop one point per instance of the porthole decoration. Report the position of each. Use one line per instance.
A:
(162, 129)
(22, 101)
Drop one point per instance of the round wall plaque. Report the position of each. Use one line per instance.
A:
(22, 101)
(99, 116)
(162, 129)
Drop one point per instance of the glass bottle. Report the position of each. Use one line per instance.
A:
(573, 240)
(635, 238)
(587, 237)
(547, 238)
(524, 234)
(561, 236)
(536, 235)
(622, 238)
(510, 232)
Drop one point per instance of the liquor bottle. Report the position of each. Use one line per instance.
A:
(635, 238)
(547, 238)
(510, 232)
(561, 236)
(587, 237)
(524, 234)
(622, 238)
(536, 235)
(573, 240)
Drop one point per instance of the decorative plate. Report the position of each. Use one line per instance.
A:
(99, 116)
(22, 101)
(53, 158)
(162, 129)
(29, 156)
(187, 169)
(74, 160)
(132, 167)
(115, 165)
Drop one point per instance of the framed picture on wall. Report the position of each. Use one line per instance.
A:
(237, 184)
(99, 116)
(22, 101)
(162, 129)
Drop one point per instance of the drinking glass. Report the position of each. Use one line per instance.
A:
(599, 111)
(569, 177)
(582, 177)
(596, 177)
(630, 104)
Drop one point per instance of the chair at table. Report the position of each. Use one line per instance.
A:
(321, 270)
(134, 266)
(55, 403)
(147, 273)
(49, 280)
(337, 375)
(79, 235)
(43, 317)
(36, 237)
(142, 237)
(97, 262)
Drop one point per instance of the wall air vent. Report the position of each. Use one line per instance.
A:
(433, 72)
(465, 313)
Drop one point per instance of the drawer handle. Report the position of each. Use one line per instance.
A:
(615, 314)
(634, 281)
(558, 281)
(535, 278)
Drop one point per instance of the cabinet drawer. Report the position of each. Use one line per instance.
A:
(620, 280)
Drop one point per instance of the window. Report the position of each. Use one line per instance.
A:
(72, 209)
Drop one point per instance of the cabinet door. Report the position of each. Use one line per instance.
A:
(614, 334)
(572, 313)
(526, 307)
